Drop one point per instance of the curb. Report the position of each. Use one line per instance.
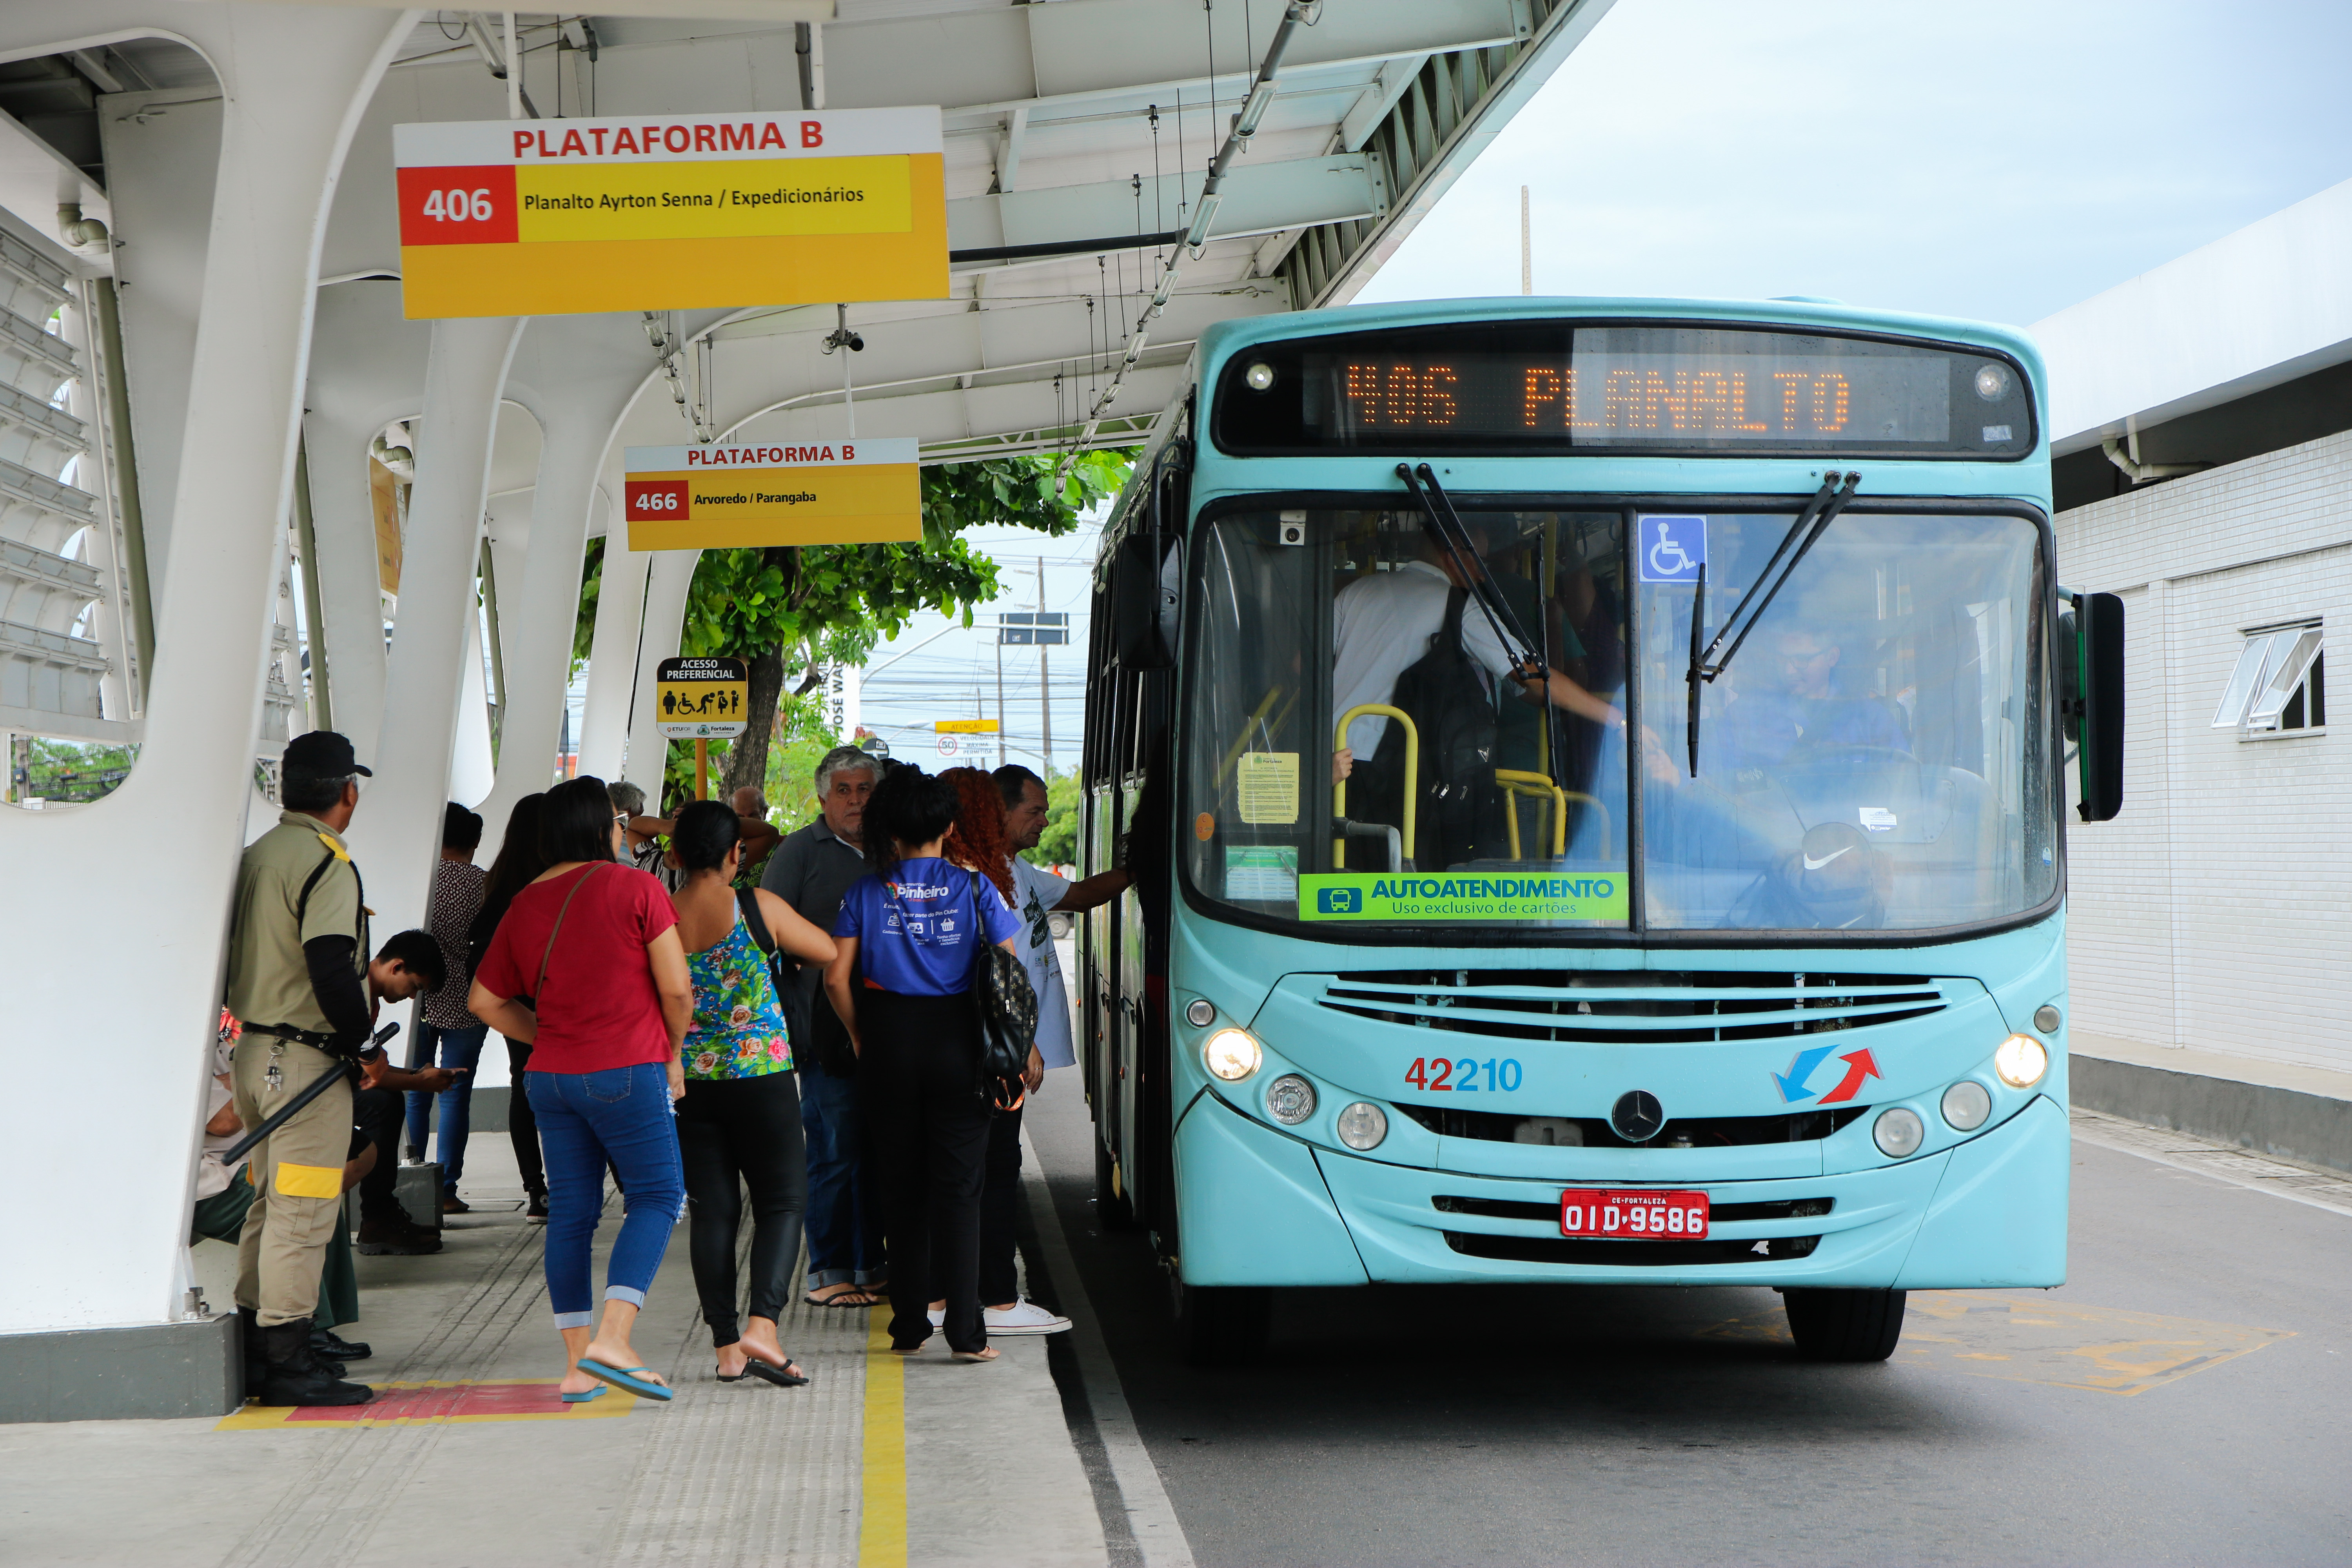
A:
(2313, 1129)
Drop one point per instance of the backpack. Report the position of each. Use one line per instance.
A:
(1004, 1004)
(1458, 807)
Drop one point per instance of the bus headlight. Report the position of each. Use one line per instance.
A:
(1363, 1126)
(1232, 1054)
(1966, 1104)
(1290, 1100)
(1898, 1132)
(2020, 1061)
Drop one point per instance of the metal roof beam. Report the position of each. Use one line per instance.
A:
(1258, 199)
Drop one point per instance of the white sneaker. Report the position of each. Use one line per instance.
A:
(1023, 1317)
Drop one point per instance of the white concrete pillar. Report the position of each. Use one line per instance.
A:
(580, 375)
(350, 588)
(397, 833)
(665, 588)
(108, 1247)
(612, 654)
(367, 369)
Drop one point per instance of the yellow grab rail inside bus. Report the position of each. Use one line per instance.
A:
(1517, 784)
(1412, 773)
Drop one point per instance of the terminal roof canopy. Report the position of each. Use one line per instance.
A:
(1079, 133)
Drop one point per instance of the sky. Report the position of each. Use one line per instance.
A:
(1991, 159)
(1994, 159)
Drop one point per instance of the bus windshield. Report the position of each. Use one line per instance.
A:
(1363, 745)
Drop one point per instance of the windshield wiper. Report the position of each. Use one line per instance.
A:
(1438, 506)
(1818, 514)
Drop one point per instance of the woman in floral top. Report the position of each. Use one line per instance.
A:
(740, 1123)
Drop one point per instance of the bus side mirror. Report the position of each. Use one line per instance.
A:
(1143, 602)
(2091, 700)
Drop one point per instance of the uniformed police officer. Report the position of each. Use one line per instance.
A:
(298, 958)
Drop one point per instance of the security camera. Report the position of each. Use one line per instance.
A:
(857, 344)
(1293, 527)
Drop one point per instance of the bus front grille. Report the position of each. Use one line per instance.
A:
(1636, 1254)
(1630, 1006)
(1683, 1132)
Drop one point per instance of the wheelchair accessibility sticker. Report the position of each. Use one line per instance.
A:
(1672, 548)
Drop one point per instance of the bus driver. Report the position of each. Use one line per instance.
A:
(1383, 623)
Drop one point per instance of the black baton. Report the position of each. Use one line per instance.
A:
(238, 1150)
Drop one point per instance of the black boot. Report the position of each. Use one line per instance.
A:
(325, 1345)
(295, 1376)
(257, 1350)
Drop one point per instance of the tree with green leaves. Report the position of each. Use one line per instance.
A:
(788, 611)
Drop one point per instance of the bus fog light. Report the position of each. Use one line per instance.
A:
(1199, 1013)
(1232, 1054)
(1290, 1100)
(1362, 1125)
(1898, 1132)
(2020, 1061)
(1966, 1104)
(2046, 1018)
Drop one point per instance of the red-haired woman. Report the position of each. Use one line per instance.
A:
(979, 842)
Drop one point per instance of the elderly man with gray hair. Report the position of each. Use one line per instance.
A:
(811, 870)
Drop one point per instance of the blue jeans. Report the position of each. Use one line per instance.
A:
(623, 1115)
(458, 1048)
(845, 1205)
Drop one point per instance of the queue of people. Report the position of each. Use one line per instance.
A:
(804, 1029)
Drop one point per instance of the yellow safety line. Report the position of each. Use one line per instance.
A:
(882, 1523)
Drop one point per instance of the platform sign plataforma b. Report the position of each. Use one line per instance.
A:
(501, 217)
(701, 698)
(810, 492)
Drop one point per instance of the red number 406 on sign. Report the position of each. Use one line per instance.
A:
(656, 498)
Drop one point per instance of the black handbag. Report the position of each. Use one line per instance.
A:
(1005, 1005)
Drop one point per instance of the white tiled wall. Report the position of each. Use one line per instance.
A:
(2216, 912)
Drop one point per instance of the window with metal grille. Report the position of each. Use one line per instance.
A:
(2280, 683)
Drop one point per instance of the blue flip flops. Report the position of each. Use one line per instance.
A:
(618, 1376)
(585, 1397)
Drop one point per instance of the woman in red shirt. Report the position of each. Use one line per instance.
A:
(588, 968)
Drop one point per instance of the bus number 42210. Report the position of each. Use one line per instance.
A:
(1467, 1076)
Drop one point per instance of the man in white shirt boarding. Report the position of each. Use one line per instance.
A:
(1038, 894)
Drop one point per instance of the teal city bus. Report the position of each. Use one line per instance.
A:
(1592, 773)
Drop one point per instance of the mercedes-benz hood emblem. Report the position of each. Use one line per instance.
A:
(1637, 1116)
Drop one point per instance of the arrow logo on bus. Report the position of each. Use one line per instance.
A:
(1860, 1065)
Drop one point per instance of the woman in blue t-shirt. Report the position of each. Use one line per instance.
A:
(911, 934)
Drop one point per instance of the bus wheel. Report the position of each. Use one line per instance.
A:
(1845, 1325)
(1222, 1325)
(1113, 1212)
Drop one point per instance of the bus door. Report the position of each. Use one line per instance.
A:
(1096, 856)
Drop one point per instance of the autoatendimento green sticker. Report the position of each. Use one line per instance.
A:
(1462, 896)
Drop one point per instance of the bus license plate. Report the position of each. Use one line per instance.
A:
(1624, 1215)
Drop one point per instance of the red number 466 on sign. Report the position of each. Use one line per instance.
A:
(656, 498)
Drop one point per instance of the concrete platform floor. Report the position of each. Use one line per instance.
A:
(878, 1462)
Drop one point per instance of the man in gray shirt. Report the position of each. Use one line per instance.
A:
(811, 870)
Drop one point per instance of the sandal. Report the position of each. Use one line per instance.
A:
(788, 1375)
(856, 1296)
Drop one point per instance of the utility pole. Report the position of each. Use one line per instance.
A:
(1045, 691)
(1527, 248)
(1000, 694)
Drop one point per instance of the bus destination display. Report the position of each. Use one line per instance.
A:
(1547, 387)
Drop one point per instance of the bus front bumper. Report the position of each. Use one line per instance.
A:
(1261, 1208)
